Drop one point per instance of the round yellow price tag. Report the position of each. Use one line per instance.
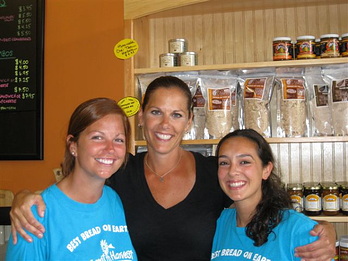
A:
(126, 48)
(130, 105)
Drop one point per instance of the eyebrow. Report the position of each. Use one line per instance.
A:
(238, 156)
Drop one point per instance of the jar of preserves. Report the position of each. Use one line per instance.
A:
(344, 45)
(312, 199)
(343, 191)
(282, 49)
(295, 191)
(343, 256)
(305, 47)
(168, 60)
(188, 59)
(329, 46)
(330, 198)
(177, 45)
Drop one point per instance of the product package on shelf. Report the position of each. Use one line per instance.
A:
(191, 79)
(217, 91)
(318, 101)
(198, 101)
(292, 112)
(144, 80)
(256, 92)
(337, 78)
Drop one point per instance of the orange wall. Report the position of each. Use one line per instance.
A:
(79, 64)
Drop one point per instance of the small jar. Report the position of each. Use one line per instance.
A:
(188, 59)
(329, 46)
(282, 49)
(343, 256)
(305, 47)
(343, 191)
(330, 199)
(344, 45)
(312, 199)
(168, 60)
(177, 45)
(295, 191)
(317, 48)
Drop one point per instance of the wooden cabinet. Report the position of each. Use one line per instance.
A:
(233, 34)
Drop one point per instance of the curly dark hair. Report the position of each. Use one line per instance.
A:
(269, 212)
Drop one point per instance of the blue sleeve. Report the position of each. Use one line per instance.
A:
(27, 251)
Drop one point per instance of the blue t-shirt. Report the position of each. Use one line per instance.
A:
(78, 231)
(231, 242)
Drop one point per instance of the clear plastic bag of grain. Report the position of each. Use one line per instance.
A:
(337, 78)
(191, 79)
(292, 112)
(217, 90)
(256, 88)
(198, 101)
(320, 116)
(143, 80)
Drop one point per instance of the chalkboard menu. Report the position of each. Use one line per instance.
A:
(21, 79)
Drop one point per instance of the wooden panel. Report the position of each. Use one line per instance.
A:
(236, 36)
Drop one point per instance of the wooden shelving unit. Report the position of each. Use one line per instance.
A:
(232, 35)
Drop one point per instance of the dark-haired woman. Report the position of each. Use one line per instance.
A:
(262, 224)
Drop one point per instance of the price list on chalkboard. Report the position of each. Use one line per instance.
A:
(21, 78)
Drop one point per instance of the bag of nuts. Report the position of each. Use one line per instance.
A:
(256, 89)
(292, 112)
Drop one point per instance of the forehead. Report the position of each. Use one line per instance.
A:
(169, 96)
(238, 145)
(110, 120)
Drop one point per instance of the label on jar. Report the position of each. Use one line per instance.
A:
(344, 205)
(306, 50)
(313, 202)
(297, 202)
(329, 48)
(254, 88)
(219, 99)
(321, 95)
(282, 51)
(330, 203)
(293, 89)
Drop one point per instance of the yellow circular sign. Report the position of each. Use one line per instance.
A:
(130, 105)
(126, 48)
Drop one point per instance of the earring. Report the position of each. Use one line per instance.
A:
(73, 153)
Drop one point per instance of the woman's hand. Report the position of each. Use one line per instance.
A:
(322, 249)
(22, 217)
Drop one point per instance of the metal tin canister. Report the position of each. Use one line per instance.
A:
(330, 199)
(305, 47)
(177, 45)
(168, 60)
(344, 45)
(282, 49)
(188, 59)
(295, 191)
(312, 198)
(329, 46)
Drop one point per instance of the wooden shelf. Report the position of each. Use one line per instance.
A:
(332, 219)
(235, 66)
(270, 140)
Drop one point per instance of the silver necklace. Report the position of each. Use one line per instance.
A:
(163, 175)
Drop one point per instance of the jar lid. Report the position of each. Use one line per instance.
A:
(295, 186)
(167, 54)
(312, 185)
(344, 35)
(281, 39)
(177, 40)
(329, 185)
(329, 36)
(187, 53)
(306, 37)
(344, 241)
